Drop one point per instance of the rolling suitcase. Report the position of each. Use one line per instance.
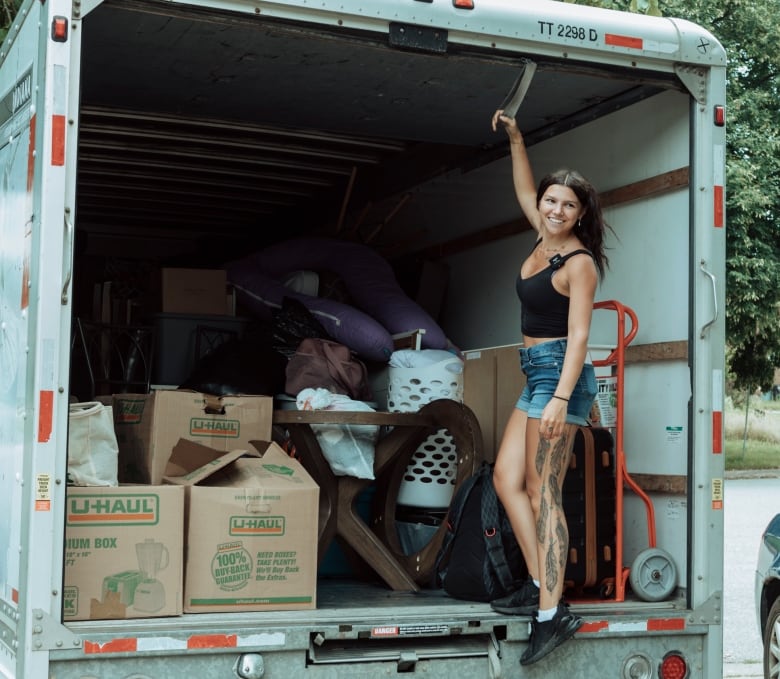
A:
(590, 505)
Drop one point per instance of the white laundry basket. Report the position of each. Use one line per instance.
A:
(429, 480)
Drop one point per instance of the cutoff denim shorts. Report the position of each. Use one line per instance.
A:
(542, 366)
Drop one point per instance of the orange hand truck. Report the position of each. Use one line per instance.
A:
(653, 574)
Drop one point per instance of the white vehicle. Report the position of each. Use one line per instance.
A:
(147, 129)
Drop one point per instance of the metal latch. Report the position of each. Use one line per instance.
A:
(516, 95)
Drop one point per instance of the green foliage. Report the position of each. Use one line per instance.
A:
(8, 9)
(746, 30)
(752, 180)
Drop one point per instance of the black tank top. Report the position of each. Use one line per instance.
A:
(545, 311)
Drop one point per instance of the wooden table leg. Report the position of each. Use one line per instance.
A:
(338, 494)
(354, 531)
(310, 455)
(463, 426)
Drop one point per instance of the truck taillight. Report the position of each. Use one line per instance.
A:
(463, 4)
(59, 29)
(673, 666)
(719, 115)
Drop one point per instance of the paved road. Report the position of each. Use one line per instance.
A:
(749, 505)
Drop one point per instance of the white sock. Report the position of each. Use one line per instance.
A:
(546, 614)
(537, 583)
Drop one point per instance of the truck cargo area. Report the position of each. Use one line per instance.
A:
(226, 133)
(141, 137)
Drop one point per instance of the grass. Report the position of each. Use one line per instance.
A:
(761, 449)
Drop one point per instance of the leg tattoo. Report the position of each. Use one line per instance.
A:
(541, 455)
(544, 510)
(554, 538)
(563, 542)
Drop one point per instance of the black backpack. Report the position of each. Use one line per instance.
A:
(479, 559)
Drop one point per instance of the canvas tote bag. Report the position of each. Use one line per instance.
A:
(92, 446)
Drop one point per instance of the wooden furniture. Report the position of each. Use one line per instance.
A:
(338, 516)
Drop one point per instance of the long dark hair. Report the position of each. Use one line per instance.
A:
(590, 229)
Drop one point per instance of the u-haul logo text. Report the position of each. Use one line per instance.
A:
(255, 525)
(203, 426)
(129, 411)
(17, 97)
(105, 510)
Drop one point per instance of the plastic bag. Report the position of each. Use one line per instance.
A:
(348, 448)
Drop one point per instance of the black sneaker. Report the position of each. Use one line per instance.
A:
(547, 636)
(523, 601)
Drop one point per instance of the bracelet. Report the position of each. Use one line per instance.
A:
(560, 398)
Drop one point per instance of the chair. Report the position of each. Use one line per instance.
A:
(114, 358)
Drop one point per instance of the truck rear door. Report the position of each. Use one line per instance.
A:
(36, 232)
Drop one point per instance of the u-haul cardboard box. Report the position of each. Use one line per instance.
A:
(252, 527)
(123, 552)
(149, 425)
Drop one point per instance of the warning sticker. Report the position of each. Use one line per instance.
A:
(409, 630)
(43, 493)
(717, 493)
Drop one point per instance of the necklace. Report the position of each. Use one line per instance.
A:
(560, 248)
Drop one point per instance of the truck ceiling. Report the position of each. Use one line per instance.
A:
(196, 123)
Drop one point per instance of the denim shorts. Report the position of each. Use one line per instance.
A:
(542, 364)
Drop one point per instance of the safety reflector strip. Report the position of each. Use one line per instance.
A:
(59, 106)
(113, 646)
(213, 641)
(155, 644)
(717, 428)
(718, 181)
(623, 41)
(45, 415)
(718, 207)
(717, 411)
(652, 625)
(58, 140)
(666, 625)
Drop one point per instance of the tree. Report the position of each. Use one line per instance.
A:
(752, 180)
(752, 175)
(8, 9)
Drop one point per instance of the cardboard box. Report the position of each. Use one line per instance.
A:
(492, 383)
(251, 526)
(194, 291)
(149, 425)
(123, 552)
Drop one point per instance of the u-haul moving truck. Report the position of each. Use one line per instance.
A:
(149, 129)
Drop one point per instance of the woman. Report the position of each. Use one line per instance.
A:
(556, 286)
